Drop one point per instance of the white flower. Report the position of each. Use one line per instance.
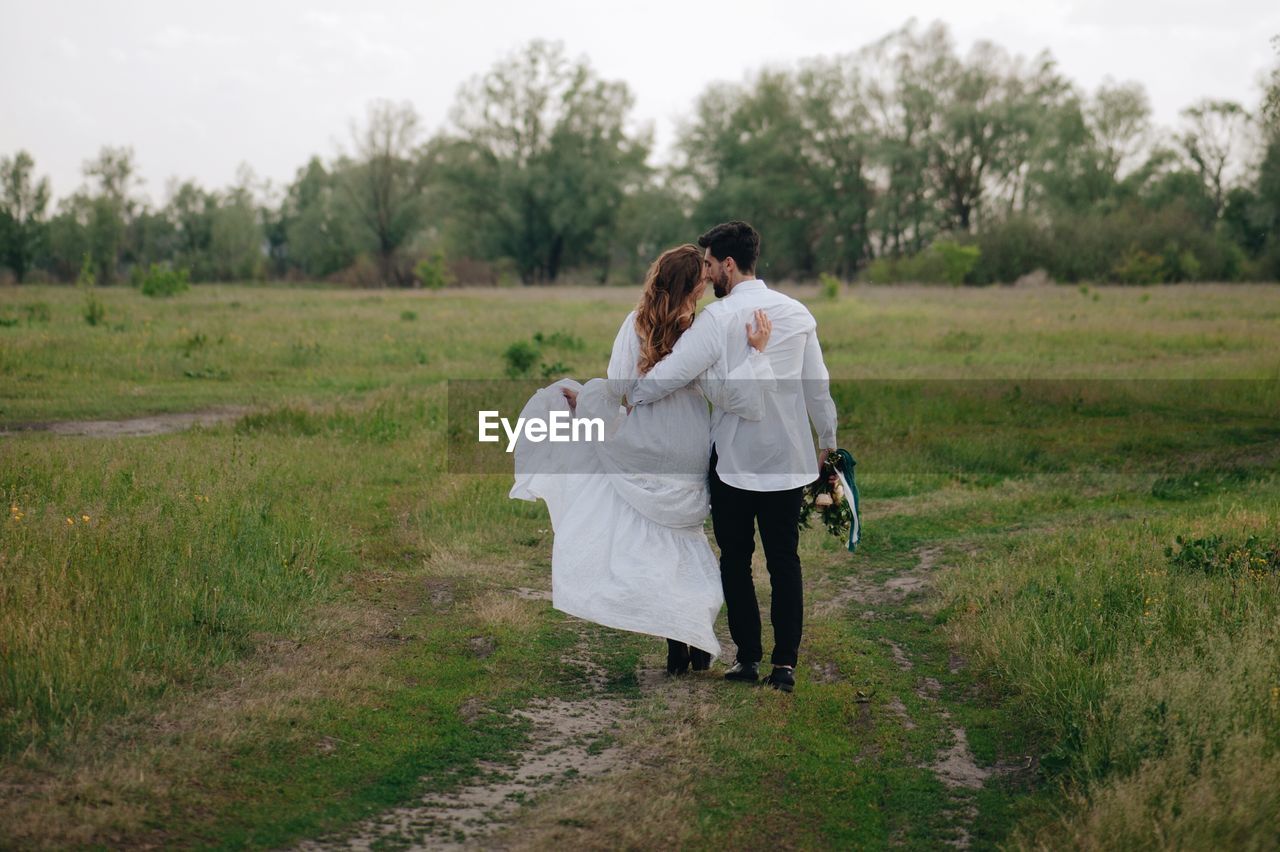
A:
(822, 500)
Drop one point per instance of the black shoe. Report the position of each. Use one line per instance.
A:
(699, 659)
(746, 672)
(677, 657)
(782, 677)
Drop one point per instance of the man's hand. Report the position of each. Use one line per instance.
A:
(822, 459)
(759, 336)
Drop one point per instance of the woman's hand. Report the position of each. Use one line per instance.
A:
(759, 337)
(571, 395)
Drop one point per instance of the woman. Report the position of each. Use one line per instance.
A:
(629, 549)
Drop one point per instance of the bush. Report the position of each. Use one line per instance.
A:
(523, 355)
(1130, 243)
(520, 357)
(164, 281)
(1011, 249)
(1215, 558)
(957, 260)
(560, 340)
(922, 268)
(944, 262)
(1139, 267)
(37, 312)
(552, 371)
(433, 273)
(1181, 264)
(830, 286)
(94, 311)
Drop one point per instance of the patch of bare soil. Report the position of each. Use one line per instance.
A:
(955, 766)
(899, 709)
(569, 741)
(859, 589)
(155, 424)
(565, 745)
(899, 656)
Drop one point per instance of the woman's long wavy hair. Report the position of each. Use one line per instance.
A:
(667, 304)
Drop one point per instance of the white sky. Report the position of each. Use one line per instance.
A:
(199, 88)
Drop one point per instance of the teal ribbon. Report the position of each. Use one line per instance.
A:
(845, 465)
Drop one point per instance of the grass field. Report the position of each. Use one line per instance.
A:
(1060, 629)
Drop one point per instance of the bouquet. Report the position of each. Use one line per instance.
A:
(834, 498)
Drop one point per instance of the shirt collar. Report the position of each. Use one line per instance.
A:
(745, 286)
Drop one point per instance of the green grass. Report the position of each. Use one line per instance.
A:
(262, 631)
(1158, 687)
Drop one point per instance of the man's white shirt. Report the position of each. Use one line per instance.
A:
(775, 453)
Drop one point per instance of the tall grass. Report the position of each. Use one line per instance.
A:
(130, 568)
(1158, 687)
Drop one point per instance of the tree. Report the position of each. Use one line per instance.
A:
(103, 210)
(1271, 98)
(540, 163)
(236, 236)
(383, 184)
(836, 145)
(22, 210)
(986, 124)
(190, 212)
(318, 222)
(1215, 131)
(1090, 147)
(1264, 213)
(903, 71)
(652, 219)
(1119, 121)
(744, 150)
(790, 152)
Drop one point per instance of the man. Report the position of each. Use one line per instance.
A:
(758, 468)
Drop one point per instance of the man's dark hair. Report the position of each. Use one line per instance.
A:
(737, 240)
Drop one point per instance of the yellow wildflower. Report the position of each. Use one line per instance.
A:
(84, 518)
(70, 522)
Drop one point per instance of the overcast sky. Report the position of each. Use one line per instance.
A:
(199, 88)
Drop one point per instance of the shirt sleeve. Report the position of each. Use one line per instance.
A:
(695, 351)
(743, 392)
(817, 392)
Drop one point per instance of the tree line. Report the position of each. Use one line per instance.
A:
(904, 160)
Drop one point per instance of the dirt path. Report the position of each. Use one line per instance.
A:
(574, 741)
(569, 741)
(154, 424)
(954, 764)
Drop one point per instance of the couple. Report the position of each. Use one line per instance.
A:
(629, 549)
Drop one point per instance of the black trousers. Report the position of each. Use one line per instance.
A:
(735, 513)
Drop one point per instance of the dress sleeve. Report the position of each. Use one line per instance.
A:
(695, 352)
(744, 391)
(603, 397)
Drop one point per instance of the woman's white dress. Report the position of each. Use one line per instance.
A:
(627, 512)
